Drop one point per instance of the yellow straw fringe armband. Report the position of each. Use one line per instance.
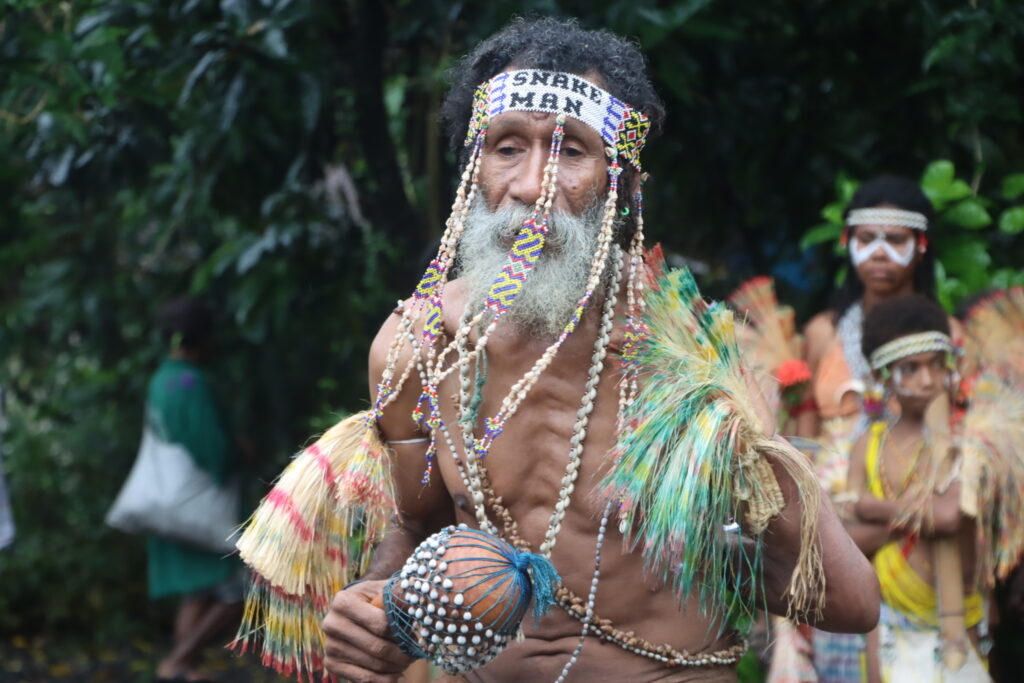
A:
(313, 533)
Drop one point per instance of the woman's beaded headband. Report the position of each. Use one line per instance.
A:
(619, 125)
(898, 217)
(909, 345)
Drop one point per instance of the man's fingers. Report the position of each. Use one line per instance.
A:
(366, 658)
(350, 672)
(350, 642)
(358, 634)
(362, 613)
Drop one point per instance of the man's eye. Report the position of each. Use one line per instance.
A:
(896, 240)
(865, 237)
(572, 152)
(507, 150)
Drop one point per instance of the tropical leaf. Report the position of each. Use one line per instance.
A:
(1011, 221)
(968, 213)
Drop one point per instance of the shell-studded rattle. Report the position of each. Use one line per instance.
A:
(462, 595)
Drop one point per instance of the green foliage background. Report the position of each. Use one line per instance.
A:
(283, 157)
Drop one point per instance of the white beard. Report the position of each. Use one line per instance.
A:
(555, 285)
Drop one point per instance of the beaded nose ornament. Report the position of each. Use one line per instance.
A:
(462, 595)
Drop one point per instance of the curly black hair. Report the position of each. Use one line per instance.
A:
(902, 193)
(899, 317)
(554, 45)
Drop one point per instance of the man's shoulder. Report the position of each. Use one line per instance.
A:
(453, 301)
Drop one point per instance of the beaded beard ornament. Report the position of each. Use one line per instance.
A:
(317, 528)
(462, 595)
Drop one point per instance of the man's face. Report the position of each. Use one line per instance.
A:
(554, 287)
(516, 151)
(885, 256)
(918, 379)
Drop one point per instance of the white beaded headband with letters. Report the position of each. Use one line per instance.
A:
(908, 346)
(619, 125)
(897, 217)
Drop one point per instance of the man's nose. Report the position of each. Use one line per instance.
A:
(527, 186)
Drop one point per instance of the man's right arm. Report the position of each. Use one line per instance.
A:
(359, 645)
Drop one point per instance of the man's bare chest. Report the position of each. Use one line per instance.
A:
(530, 464)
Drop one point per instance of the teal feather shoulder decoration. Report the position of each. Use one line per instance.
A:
(693, 456)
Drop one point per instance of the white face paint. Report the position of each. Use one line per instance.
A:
(901, 254)
(897, 382)
(950, 379)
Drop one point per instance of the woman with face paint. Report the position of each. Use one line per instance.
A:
(886, 237)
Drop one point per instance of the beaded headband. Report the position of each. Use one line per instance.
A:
(908, 346)
(553, 92)
(897, 217)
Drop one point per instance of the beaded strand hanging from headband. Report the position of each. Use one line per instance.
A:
(634, 332)
(525, 251)
(428, 293)
(625, 130)
(472, 470)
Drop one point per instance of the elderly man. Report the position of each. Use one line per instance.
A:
(525, 357)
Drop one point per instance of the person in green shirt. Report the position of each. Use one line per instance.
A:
(181, 408)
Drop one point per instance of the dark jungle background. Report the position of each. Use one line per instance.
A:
(284, 159)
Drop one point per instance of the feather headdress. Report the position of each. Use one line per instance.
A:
(695, 457)
(995, 330)
(992, 430)
(992, 469)
(770, 345)
(775, 343)
(312, 534)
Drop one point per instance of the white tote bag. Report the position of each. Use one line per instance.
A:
(168, 495)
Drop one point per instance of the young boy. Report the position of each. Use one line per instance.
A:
(906, 501)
